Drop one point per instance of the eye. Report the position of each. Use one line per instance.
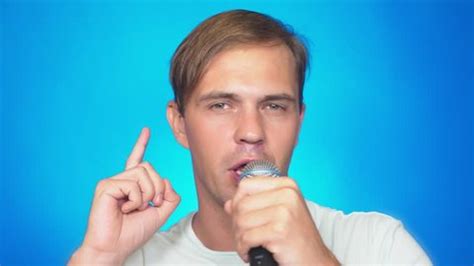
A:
(275, 107)
(219, 106)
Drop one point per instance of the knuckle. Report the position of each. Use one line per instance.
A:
(159, 182)
(157, 176)
(291, 183)
(283, 213)
(159, 191)
(287, 193)
(178, 199)
(147, 198)
(145, 164)
(290, 194)
(279, 229)
(158, 188)
(101, 185)
(148, 191)
(141, 170)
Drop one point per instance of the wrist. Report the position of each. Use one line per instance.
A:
(88, 255)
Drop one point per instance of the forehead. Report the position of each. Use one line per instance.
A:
(251, 69)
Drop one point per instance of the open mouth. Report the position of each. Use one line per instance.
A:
(237, 169)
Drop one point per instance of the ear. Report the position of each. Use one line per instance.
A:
(177, 124)
(303, 109)
(301, 116)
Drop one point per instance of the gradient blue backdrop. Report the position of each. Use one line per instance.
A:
(389, 123)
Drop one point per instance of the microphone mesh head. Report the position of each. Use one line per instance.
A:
(260, 168)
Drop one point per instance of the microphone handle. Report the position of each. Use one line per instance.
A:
(259, 256)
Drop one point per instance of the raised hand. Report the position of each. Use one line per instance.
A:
(127, 210)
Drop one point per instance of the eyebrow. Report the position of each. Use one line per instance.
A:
(279, 97)
(233, 96)
(217, 95)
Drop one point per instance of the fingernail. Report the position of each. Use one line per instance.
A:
(143, 207)
(125, 209)
(151, 204)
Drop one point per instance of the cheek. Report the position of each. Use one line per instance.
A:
(285, 130)
(282, 139)
(287, 139)
(209, 135)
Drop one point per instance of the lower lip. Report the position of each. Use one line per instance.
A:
(234, 175)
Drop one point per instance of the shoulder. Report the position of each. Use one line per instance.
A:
(327, 218)
(366, 237)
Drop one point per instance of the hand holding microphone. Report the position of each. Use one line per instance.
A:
(270, 217)
(259, 256)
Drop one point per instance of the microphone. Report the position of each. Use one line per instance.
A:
(259, 256)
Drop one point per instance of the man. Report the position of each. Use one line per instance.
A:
(238, 81)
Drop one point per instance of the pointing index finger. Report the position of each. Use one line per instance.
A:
(138, 151)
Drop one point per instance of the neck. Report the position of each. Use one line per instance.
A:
(213, 226)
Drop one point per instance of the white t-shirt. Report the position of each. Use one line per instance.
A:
(357, 238)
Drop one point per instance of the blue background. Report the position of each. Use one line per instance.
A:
(389, 122)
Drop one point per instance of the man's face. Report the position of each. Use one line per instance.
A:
(244, 108)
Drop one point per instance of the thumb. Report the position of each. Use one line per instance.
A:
(157, 216)
(171, 199)
(170, 194)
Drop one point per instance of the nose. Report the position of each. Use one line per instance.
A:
(250, 128)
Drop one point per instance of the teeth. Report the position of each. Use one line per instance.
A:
(238, 171)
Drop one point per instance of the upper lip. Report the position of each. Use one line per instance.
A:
(242, 163)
